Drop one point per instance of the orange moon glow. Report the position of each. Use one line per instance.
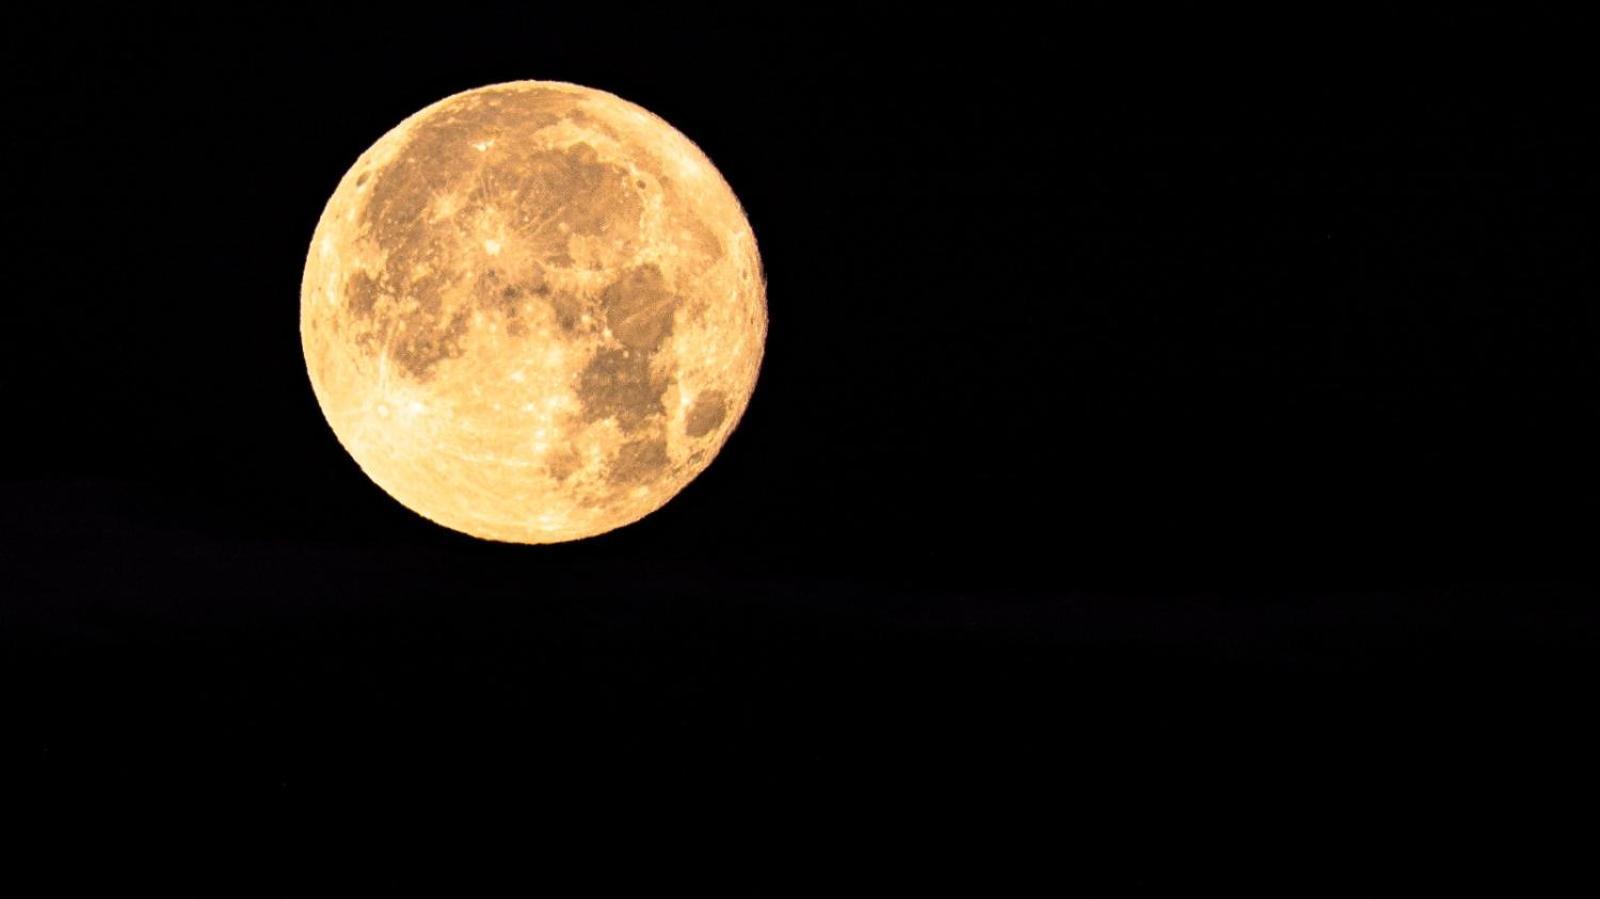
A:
(533, 312)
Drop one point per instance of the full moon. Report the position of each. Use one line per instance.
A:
(533, 312)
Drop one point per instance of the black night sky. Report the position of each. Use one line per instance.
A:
(1190, 417)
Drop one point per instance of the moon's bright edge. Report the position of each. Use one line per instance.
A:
(533, 312)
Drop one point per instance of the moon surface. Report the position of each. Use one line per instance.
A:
(533, 312)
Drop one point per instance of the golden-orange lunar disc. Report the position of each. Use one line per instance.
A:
(533, 312)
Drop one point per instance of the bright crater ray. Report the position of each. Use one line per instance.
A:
(533, 312)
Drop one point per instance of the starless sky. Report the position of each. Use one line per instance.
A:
(1125, 388)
